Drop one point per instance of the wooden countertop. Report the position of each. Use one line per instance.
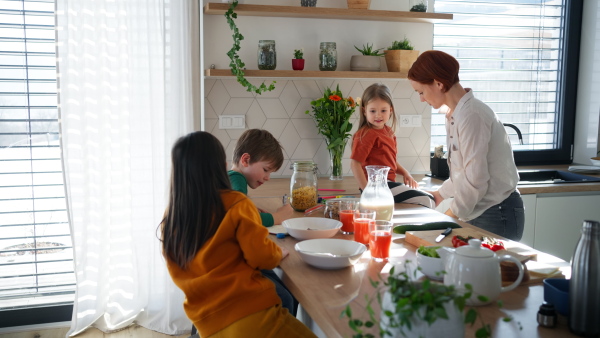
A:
(280, 186)
(325, 293)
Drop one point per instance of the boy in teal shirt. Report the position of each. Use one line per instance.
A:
(257, 154)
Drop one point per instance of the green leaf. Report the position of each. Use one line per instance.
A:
(484, 332)
(471, 316)
(236, 65)
(482, 298)
(348, 312)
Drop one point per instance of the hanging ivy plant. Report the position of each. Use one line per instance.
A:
(236, 64)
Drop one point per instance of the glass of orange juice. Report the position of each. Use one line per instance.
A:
(362, 218)
(346, 211)
(380, 239)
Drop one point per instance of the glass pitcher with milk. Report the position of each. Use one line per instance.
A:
(377, 195)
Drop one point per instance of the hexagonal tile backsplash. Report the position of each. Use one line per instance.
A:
(282, 113)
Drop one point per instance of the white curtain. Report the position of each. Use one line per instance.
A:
(125, 93)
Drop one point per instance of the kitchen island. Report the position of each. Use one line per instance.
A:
(324, 294)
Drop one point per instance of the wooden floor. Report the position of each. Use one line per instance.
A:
(131, 332)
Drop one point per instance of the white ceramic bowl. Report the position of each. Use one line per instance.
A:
(595, 161)
(312, 227)
(430, 266)
(330, 253)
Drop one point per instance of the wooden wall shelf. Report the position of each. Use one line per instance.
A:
(213, 8)
(308, 74)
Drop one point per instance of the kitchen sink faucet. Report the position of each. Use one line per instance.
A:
(516, 129)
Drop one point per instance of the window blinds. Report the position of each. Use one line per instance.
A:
(510, 53)
(36, 260)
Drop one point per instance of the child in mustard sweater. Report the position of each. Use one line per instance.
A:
(214, 246)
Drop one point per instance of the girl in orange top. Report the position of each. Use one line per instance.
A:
(215, 245)
(375, 144)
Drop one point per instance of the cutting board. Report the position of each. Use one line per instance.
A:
(426, 238)
(537, 272)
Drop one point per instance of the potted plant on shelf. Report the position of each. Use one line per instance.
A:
(298, 60)
(418, 5)
(412, 308)
(359, 4)
(368, 61)
(400, 56)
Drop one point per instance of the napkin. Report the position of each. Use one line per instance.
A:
(277, 229)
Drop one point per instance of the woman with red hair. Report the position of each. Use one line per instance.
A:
(483, 175)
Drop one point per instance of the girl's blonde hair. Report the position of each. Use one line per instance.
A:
(376, 91)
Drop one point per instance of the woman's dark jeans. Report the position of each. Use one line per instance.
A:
(505, 219)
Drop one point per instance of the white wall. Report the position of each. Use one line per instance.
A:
(587, 122)
(282, 111)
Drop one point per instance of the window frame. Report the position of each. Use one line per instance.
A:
(568, 77)
(568, 95)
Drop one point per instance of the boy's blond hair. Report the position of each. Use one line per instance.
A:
(261, 145)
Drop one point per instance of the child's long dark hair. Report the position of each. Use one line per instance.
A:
(195, 208)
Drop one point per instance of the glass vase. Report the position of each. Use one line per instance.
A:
(336, 153)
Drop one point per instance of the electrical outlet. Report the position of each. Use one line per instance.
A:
(232, 121)
(410, 121)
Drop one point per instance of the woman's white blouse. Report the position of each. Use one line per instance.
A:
(482, 168)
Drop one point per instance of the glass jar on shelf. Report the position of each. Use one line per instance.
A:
(327, 56)
(303, 185)
(267, 56)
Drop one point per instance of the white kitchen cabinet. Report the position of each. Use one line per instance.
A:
(558, 221)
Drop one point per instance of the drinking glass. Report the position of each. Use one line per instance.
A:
(362, 218)
(347, 209)
(380, 239)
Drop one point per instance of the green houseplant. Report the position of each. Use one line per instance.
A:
(298, 60)
(368, 61)
(400, 56)
(332, 115)
(236, 64)
(413, 309)
(298, 54)
(418, 5)
(368, 50)
(401, 45)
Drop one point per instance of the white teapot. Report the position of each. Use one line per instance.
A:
(478, 266)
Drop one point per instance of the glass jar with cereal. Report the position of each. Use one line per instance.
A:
(303, 185)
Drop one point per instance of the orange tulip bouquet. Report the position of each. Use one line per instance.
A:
(332, 115)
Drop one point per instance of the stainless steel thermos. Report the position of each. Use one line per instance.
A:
(584, 289)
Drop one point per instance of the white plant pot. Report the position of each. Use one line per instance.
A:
(453, 327)
(365, 63)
